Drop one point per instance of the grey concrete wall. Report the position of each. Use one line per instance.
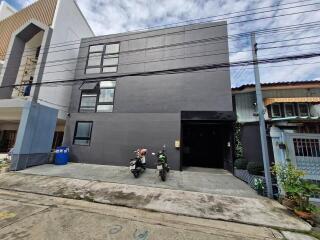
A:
(34, 137)
(147, 108)
(202, 91)
(116, 135)
(10, 70)
(250, 138)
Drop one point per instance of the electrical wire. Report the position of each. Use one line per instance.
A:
(160, 27)
(185, 30)
(179, 70)
(204, 41)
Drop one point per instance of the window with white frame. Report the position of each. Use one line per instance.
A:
(88, 102)
(303, 110)
(276, 110)
(98, 99)
(103, 58)
(106, 96)
(289, 110)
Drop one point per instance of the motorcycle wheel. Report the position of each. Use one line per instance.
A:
(136, 174)
(163, 175)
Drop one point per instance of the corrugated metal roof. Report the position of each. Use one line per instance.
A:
(42, 10)
(282, 83)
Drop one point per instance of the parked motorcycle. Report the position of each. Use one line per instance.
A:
(138, 164)
(162, 163)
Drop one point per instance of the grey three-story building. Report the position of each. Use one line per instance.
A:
(128, 104)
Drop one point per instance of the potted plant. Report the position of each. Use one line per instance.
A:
(255, 168)
(289, 178)
(258, 185)
(305, 209)
(241, 163)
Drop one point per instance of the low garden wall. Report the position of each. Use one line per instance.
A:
(245, 176)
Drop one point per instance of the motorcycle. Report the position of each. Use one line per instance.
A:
(138, 164)
(162, 163)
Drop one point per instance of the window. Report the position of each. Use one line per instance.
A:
(106, 96)
(103, 58)
(303, 109)
(82, 133)
(276, 110)
(88, 102)
(289, 109)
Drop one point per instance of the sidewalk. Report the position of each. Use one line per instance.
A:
(215, 181)
(253, 211)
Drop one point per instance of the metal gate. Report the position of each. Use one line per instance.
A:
(304, 152)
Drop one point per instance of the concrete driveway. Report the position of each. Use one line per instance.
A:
(215, 181)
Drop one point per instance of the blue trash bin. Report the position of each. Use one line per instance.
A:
(62, 156)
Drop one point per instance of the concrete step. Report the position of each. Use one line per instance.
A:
(253, 211)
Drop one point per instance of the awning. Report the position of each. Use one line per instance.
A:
(295, 118)
(88, 86)
(268, 101)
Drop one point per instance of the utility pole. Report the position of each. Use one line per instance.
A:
(260, 105)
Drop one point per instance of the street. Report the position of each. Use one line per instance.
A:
(34, 216)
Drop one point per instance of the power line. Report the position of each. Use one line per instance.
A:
(178, 70)
(209, 53)
(185, 30)
(160, 27)
(205, 41)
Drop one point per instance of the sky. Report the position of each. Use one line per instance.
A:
(115, 16)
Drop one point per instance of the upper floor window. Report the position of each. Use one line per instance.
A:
(103, 58)
(289, 110)
(98, 99)
(106, 96)
(88, 102)
(276, 110)
(303, 109)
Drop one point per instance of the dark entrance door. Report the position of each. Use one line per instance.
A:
(204, 144)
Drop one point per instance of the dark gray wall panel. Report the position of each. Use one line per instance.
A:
(147, 109)
(250, 138)
(115, 136)
(12, 68)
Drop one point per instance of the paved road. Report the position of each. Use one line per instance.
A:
(257, 211)
(39, 217)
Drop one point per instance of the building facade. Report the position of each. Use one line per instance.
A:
(38, 44)
(292, 115)
(121, 102)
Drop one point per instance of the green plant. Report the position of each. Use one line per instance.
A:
(289, 178)
(241, 163)
(255, 168)
(305, 191)
(258, 185)
(237, 141)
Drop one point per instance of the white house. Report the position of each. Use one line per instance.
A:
(39, 43)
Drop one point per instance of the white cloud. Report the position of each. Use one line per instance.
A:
(114, 16)
(107, 16)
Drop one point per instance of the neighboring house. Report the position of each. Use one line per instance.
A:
(293, 123)
(39, 43)
(191, 113)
